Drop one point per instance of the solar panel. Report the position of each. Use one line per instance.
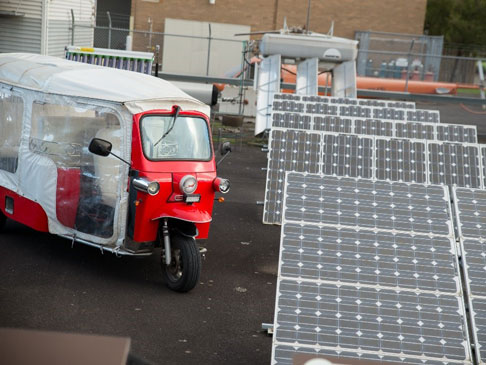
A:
(290, 150)
(417, 130)
(454, 164)
(401, 160)
(375, 127)
(431, 116)
(347, 155)
(291, 120)
(286, 96)
(399, 324)
(288, 106)
(319, 108)
(471, 213)
(350, 255)
(368, 270)
(457, 133)
(470, 207)
(337, 201)
(355, 111)
(389, 113)
(333, 124)
(483, 163)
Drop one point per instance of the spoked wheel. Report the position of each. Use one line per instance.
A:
(3, 220)
(183, 272)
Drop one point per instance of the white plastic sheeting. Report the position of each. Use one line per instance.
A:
(63, 77)
(56, 107)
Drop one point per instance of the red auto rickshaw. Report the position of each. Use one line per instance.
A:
(110, 158)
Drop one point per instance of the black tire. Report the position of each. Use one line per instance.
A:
(3, 220)
(183, 273)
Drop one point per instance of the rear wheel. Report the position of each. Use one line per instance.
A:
(185, 268)
(3, 220)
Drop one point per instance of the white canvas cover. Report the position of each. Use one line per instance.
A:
(57, 107)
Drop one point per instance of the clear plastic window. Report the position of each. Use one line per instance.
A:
(87, 185)
(186, 138)
(11, 112)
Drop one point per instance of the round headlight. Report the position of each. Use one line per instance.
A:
(188, 184)
(153, 188)
(224, 186)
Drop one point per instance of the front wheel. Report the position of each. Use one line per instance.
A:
(183, 272)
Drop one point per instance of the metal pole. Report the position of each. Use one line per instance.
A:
(72, 27)
(308, 17)
(409, 62)
(109, 28)
(209, 50)
(242, 77)
(150, 33)
(482, 84)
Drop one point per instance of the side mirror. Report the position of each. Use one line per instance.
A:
(225, 148)
(100, 147)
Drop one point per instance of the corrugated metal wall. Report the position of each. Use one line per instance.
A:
(60, 24)
(21, 33)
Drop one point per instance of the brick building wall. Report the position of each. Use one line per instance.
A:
(397, 16)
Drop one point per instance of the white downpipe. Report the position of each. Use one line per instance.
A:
(44, 27)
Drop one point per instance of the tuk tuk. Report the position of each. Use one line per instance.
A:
(114, 159)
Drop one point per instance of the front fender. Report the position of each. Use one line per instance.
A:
(186, 213)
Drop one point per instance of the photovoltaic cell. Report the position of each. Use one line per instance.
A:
(457, 133)
(370, 258)
(290, 150)
(454, 164)
(410, 208)
(347, 155)
(291, 120)
(401, 160)
(332, 124)
(414, 130)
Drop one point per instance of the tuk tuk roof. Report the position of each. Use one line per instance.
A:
(53, 75)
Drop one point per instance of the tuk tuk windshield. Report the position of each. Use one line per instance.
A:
(185, 138)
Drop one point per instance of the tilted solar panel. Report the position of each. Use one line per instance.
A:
(368, 270)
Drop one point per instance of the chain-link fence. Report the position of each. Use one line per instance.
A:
(382, 55)
(415, 57)
(177, 53)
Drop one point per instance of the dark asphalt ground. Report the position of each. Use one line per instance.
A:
(47, 285)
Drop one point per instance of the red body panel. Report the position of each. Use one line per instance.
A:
(25, 211)
(168, 174)
(67, 195)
